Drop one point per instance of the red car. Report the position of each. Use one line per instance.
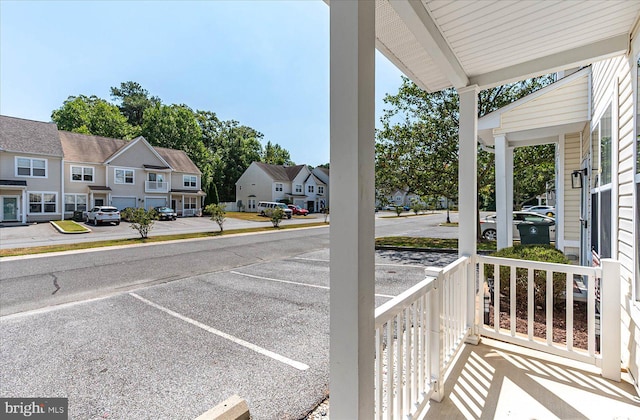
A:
(297, 210)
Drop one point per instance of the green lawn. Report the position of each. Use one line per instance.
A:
(435, 243)
(69, 226)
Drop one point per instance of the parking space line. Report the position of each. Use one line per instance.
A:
(380, 264)
(250, 346)
(317, 286)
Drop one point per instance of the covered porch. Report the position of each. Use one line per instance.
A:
(413, 340)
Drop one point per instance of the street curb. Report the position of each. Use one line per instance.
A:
(233, 408)
(414, 249)
(59, 229)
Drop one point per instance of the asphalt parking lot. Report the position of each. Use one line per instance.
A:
(174, 350)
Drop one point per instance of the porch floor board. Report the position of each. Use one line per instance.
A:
(496, 380)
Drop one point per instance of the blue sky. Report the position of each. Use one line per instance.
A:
(263, 63)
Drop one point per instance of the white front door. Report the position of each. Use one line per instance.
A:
(10, 209)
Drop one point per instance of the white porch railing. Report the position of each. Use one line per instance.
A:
(156, 186)
(418, 333)
(547, 285)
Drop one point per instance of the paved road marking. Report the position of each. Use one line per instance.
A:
(381, 264)
(250, 346)
(317, 286)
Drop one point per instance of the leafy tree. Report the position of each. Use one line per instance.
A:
(276, 155)
(143, 220)
(134, 100)
(218, 214)
(176, 127)
(276, 215)
(417, 146)
(92, 115)
(232, 148)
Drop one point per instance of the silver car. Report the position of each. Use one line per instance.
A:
(488, 224)
(549, 211)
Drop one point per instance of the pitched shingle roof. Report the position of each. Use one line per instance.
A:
(27, 136)
(178, 160)
(88, 148)
(280, 172)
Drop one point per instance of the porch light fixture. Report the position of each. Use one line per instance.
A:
(577, 176)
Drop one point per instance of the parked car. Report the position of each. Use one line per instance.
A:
(489, 231)
(549, 211)
(102, 214)
(166, 213)
(297, 210)
(265, 206)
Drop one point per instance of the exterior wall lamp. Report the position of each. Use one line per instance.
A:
(577, 178)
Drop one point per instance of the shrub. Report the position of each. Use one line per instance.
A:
(127, 213)
(217, 212)
(143, 220)
(399, 210)
(276, 215)
(417, 206)
(544, 253)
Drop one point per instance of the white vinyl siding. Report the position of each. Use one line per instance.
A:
(31, 167)
(567, 104)
(571, 195)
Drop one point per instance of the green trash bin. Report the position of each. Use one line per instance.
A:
(78, 216)
(534, 233)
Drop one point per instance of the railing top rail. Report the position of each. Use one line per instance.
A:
(537, 265)
(390, 309)
(455, 265)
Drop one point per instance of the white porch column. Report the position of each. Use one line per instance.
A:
(509, 173)
(468, 194)
(503, 224)
(352, 117)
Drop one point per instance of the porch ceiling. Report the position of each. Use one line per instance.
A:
(441, 44)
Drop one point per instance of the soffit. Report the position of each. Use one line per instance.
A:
(494, 42)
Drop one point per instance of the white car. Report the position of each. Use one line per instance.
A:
(549, 211)
(488, 224)
(102, 214)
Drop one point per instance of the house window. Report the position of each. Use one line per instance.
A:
(29, 167)
(81, 174)
(124, 176)
(189, 181)
(42, 202)
(601, 226)
(75, 202)
(278, 187)
(190, 203)
(310, 189)
(299, 188)
(320, 190)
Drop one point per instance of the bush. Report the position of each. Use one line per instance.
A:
(143, 220)
(127, 214)
(276, 215)
(399, 210)
(544, 253)
(217, 212)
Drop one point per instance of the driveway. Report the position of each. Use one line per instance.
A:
(243, 315)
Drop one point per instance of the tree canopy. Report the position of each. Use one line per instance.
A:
(417, 146)
(222, 150)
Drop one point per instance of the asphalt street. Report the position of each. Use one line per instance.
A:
(170, 330)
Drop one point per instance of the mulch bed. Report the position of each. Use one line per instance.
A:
(580, 324)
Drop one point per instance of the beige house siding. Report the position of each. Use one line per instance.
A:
(78, 187)
(254, 181)
(177, 181)
(571, 99)
(137, 155)
(571, 195)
